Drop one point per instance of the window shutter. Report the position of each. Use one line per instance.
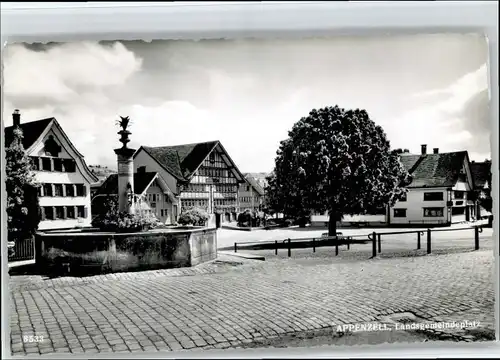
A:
(85, 212)
(65, 212)
(84, 190)
(42, 213)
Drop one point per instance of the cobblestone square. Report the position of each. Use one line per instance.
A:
(235, 302)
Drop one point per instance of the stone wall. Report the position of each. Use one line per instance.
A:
(88, 252)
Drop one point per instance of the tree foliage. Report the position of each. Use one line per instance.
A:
(337, 161)
(194, 216)
(23, 211)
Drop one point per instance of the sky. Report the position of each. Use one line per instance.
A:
(422, 89)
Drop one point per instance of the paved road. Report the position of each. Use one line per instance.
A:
(223, 305)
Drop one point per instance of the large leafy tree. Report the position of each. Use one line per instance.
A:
(337, 161)
(23, 211)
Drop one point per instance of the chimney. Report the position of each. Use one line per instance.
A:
(141, 169)
(435, 150)
(16, 118)
(424, 149)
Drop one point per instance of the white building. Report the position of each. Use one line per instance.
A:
(439, 191)
(61, 171)
(152, 195)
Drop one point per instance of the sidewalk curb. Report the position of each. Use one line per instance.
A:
(244, 256)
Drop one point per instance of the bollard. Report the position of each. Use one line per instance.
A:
(275, 247)
(418, 240)
(235, 247)
(348, 244)
(379, 239)
(429, 241)
(336, 245)
(374, 244)
(289, 248)
(314, 245)
(476, 238)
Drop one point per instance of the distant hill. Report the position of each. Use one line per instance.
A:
(102, 172)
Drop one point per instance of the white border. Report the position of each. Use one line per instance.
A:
(44, 22)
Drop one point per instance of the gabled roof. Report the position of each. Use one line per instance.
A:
(35, 131)
(435, 170)
(31, 132)
(141, 183)
(182, 161)
(481, 172)
(253, 183)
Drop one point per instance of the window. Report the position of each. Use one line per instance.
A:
(153, 205)
(457, 210)
(35, 163)
(58, 165)
(69, 165)
(70, 212)
(58, 190)
(154, 197)
(59, 212)
(80, 190)
(49, 212)
(399, 213)
(459, 194)
(161, 212)
(433, 212)
(46, 164)
(70, 190)
(47, 190)
(81, 211)
(433, 196)
(404, 197)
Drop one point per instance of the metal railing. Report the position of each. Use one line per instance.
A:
(23, 250)
(338, 240)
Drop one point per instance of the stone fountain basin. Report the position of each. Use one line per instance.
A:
(91, 250)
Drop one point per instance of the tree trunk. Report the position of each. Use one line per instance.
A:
(332, 224)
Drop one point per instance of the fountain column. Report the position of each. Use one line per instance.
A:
(125, 170)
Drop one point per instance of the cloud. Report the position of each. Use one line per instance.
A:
(61, 74)
(455, 117)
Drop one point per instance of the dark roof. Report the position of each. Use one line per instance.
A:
(141, 181)
(434, 170)
(409, 161)
(31, 132)
(481, 172)
(181, 160)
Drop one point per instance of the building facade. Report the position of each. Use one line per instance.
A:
(481, 172)
(61, 172)
(439, 193)
(198, 175)
(151, 196)
(250, 194)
